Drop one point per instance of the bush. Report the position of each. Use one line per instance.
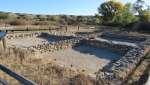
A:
(81, 79)
(3, 15)
(18, 22)
(41, 23)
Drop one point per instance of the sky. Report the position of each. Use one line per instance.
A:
(54, 7)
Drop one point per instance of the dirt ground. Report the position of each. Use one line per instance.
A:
(83, 58)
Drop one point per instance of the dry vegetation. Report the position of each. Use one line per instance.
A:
(41, 71)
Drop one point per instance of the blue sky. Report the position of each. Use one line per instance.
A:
(70, 7)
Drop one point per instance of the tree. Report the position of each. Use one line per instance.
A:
(139, 5)
(71, 20)
(110, 9)
(97, 19)
(116, 13)
(126, 16)
(81, 19)
(55, 18)
(145, 15)
(143, 10)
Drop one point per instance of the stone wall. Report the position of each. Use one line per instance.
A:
(22, 35)
(119, 48)
(121, 69)
(123, 36)
(55, 46)
(116, 72)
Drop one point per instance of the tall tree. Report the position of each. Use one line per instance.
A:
(143, 10)
(110, 9)
(116, 13)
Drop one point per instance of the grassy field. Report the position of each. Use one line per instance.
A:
(41, 71)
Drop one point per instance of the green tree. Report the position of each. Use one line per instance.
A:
(110, 9)
(145, 15)
(139, 5)
(81, 20)
(55, 18)
(97, 19)
(143, 10)
(125, 16)
(71, 20)
(116, 13)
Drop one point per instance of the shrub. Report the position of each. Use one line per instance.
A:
(81, 79)
(41, 23)
(18, 22)
(3, 15)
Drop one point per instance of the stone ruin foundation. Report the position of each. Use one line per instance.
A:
(114, 73)
(117, 72)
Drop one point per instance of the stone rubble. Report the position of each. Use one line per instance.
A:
(116, 73)
(55, 46)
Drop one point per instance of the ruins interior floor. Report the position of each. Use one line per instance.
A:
(86, 58)
(25, 42)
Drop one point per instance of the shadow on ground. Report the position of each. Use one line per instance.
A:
(98, 52)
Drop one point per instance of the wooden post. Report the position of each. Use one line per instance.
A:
(78, 27)
(66, 28)
(4, 44)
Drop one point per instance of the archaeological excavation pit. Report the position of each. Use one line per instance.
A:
(84, 58)
(111, 59)
(89, 55)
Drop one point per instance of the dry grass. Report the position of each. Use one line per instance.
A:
(41, 71)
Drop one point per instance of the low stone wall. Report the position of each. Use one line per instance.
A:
(117, 72)
(55, 46)
(121, 69)
(22, 35)
(123, 36)
(119, 48)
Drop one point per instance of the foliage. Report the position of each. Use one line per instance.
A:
(3, 15)
(110, 9)
(18, 22)
(125, 17)
(143, 10)
(55, 18)
(30, 19)
(41, 23)
(97, 19)
(81, 20)
(139, 5)
(116, 13)
(145, 15)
